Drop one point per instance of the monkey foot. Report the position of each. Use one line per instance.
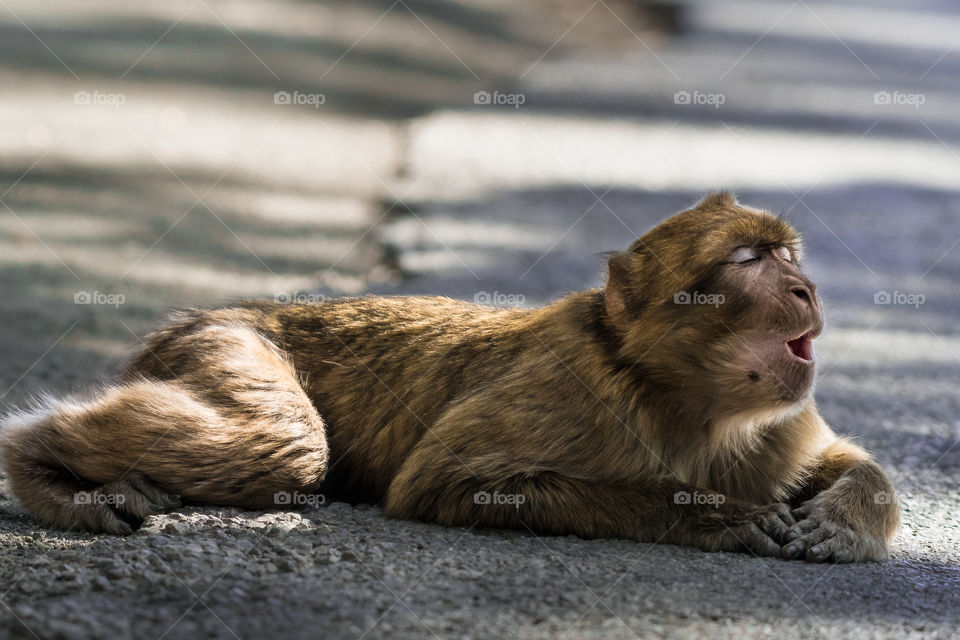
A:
(120, 507)
(816, 538)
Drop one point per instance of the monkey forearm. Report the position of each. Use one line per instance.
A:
(848, 511)
(835, 460)
(862, 499)
(547, 503)
(853, 490)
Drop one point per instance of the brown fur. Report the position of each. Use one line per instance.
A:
(589, 416)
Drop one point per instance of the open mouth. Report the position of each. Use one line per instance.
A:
(802, 347)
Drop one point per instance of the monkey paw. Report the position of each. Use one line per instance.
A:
(120, 507)
(765, 530)
(818, 538)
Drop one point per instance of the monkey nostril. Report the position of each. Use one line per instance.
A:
(802, 293)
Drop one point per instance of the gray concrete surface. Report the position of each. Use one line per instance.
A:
(401, 184)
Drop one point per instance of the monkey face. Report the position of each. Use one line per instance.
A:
(712, 301)
(774, 316)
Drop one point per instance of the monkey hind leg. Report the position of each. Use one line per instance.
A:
(105, 463)
(56, 495)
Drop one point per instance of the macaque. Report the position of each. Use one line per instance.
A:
(673, 405)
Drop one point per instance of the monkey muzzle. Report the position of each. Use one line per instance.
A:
(802, 347)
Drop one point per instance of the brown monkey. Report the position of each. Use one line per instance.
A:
(673, 405)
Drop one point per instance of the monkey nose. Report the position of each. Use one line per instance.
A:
(803, 293)
(806, 291)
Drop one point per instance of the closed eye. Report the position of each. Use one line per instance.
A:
(783, 253)
(744, 255)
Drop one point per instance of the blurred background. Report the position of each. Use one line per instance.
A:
(193, 152)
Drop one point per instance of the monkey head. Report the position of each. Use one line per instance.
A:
(712, 306)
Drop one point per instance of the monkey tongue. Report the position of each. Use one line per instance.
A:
(802, 347)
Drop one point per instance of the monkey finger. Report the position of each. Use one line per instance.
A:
(101, 518)
(847, 546)
(801, 528)
(758, 542)
(839, 548)
(803, 510)
(133, 498)
(828, 550)
(783, 510)
(159, 499)
(800, 545)
(150, 490)
(771, 524)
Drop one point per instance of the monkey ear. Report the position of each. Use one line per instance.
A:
(619, 293)
(717, 200)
